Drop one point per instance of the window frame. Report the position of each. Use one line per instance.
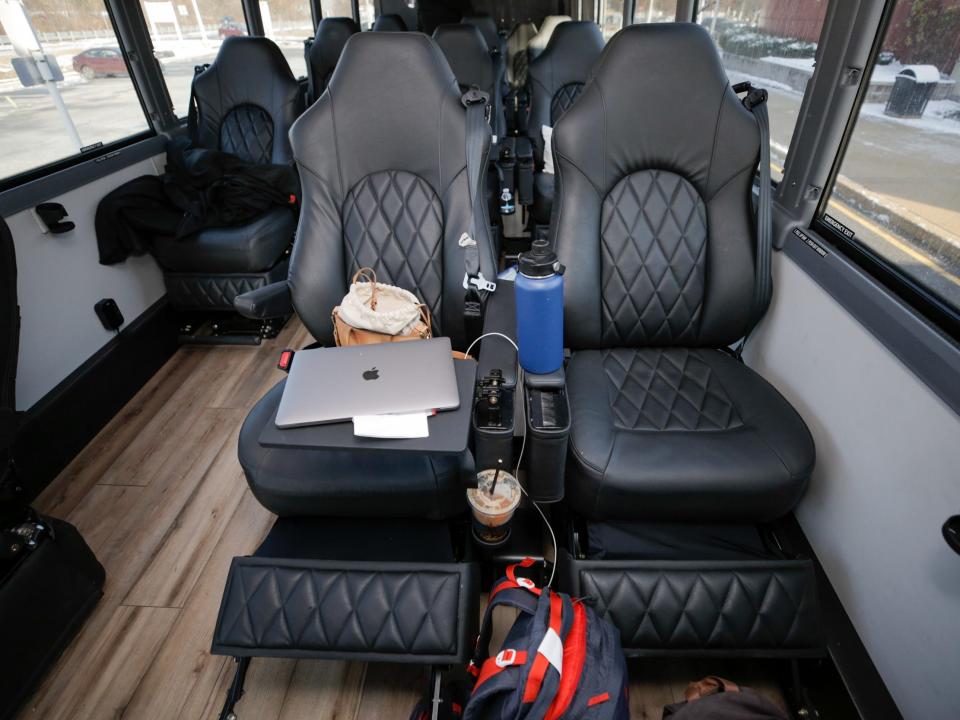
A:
(96, 151)
(912, 292)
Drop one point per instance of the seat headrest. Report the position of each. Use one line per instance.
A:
(389, 66)
(331, 37)
(467, 53)
(539, 41)
(575, 37)
(487, 27)
(389, 23)
(694, 64)
(244, 61)
(679, 129)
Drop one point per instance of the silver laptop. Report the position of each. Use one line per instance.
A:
(333, 384)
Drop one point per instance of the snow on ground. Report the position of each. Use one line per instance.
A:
(941, 116)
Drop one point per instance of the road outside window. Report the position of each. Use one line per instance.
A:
(655, 11)
(773, 44)
(367, 14)
(187, 33)
(611, 17)
(336, 8)
(64, 85)
(898, 189)
(288, 23)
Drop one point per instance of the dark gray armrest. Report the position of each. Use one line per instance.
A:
(266, 302)
(557, 380)
(499, 316)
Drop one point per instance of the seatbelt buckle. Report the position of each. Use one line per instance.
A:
(475, 96)
(756, 96)
(479, 282)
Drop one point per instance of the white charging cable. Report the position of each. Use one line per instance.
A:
(523, 445)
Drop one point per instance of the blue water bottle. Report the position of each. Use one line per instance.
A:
(539, 290)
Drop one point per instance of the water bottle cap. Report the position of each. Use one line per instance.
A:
(540, 261)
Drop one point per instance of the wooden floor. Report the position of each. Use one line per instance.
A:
(160, 497)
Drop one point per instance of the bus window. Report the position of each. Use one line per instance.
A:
(655, 11)
(188, 34)
(367, 14)
(898, 188)
(288, 23)
(64, 83)
(336, 8)
(772, 44)
(611, 17)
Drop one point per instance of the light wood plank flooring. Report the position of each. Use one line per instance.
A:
(160, 497)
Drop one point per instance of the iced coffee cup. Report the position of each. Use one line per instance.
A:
(493, 503)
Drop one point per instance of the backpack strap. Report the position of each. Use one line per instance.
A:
(510, 591)
(756, 102)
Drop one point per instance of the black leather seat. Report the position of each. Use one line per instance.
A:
(399, 207)
(408, 12)
(655, 227)
(389, 23)
(324, 52)
(556, 79)
(247, 101)
(469, 57)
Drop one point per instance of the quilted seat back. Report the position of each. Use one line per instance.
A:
(247, 101)
(653, 206)
(385, 183)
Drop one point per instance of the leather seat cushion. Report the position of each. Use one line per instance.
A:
(681, 434)
(248, 248)
(340, 483)
(542, 197)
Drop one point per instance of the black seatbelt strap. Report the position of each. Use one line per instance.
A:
(193, 112)
(474, 284)
(756, 102)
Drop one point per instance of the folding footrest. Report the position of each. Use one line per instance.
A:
(424, 613)
(216, 291)
(750, 607)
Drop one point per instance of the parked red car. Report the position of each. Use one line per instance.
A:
(100, 62)
(230, 27)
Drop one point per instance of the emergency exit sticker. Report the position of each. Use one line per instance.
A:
(810, 242)
(839, 227)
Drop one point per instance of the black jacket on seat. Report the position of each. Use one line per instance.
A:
(555, 79)
(246, 101)
(386, 188)
(655, 225)
(324, 52)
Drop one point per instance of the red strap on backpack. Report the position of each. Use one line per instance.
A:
(500, 662)
(574, 657)
(549, 653)
(513, 581)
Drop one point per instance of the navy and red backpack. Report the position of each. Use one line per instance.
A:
(560, 660)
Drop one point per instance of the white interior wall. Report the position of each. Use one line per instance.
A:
(887, 476)
(59, 281)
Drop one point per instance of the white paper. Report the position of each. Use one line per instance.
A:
(408, 425)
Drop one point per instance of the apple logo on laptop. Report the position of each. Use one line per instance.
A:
(371, 374)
